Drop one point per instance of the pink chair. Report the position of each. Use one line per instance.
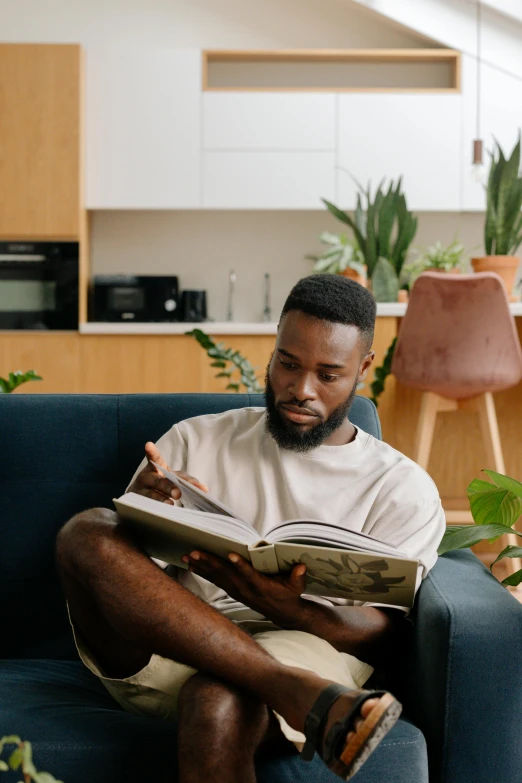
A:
(458, 344)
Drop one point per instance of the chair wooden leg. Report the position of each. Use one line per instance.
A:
(485, 405)
(431, 405)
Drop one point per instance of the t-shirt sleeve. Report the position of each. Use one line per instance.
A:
(416, 529)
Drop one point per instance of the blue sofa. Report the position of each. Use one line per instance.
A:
(459, 674)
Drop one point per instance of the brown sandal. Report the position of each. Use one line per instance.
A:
(344, 757)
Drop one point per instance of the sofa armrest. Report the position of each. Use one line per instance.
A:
(463, 673)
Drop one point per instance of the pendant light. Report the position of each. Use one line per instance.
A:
(478, 168)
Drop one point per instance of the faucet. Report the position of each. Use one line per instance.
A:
(231, 289)
(267, 312)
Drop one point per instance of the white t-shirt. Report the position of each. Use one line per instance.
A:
(365, 485)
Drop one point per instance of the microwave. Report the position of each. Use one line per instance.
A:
(134, 299)
(39, 285)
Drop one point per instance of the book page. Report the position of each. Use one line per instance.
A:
(194, 498)
(332, 535)
(168, 532)
(359, 576)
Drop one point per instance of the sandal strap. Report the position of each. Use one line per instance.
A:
(316, 717)
(335, 739)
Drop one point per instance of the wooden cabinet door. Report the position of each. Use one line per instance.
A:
(39, 140)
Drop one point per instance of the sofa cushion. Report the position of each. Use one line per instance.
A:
(63, 454)
(79, 733)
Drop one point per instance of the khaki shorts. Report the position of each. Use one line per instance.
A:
(154, 690)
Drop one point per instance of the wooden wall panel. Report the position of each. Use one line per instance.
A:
(54, 356)
(39, 140)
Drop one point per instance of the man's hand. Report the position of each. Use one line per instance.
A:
(278, 598)
(153, 484)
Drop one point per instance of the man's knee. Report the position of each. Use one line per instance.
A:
(219, 707)
(88, 534)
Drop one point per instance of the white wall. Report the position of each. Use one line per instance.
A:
(202, 247)
(202, 23)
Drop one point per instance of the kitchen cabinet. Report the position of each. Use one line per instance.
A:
(269, 121)
(267, 180)
(416, 136)
(40, 141)
(500, 119)
(143, 128)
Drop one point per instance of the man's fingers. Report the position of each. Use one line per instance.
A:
(153, 455)
(155, 495)
(160, 484)
(191, 480)
(297, 579)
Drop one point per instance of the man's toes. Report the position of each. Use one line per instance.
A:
(368, 706)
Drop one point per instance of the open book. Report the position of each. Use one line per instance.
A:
(339, 563)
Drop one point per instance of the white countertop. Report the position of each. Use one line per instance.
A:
(393, 309)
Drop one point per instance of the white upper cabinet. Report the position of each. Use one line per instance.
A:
(267, 180)
(269, 121)
(268, 150)
(416, 136)
(143, 118)
(500, 119)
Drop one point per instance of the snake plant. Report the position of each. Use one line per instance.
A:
(383, 228)
(503, 228)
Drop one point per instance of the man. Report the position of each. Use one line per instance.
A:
(246, 662)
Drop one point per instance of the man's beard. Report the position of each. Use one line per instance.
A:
(290, 436)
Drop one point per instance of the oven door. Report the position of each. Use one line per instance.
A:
(27, 294)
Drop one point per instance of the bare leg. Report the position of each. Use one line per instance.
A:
(127, 609)
(220, 730)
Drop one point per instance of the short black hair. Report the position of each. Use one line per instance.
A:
(335, 298)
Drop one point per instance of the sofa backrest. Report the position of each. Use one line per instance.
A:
(62, 454)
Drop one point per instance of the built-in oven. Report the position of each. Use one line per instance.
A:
(39, 285)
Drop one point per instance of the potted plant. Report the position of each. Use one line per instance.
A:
(496, 505)
(342, 256)
(228, 362)
(503, 227)
(384, 230)
(16, 379)
(435, 258)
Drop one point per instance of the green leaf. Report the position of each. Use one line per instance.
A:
(505, 482)
(492, 504)
(233, 387)
(385, 282)
(219, 363)
(337, 213)
(464, 536)
(513, 579)
(15, 759)
(509, 551)
(3, 766)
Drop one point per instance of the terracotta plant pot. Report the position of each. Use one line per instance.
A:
(505, 266)
(353, 275)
